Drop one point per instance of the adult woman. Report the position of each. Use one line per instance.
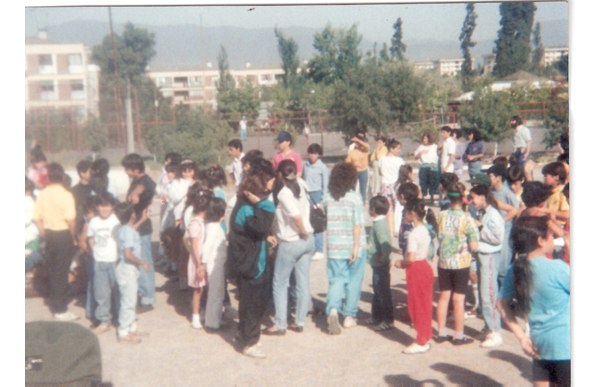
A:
(296, 246)
(429, 173)
(359, 158)
(474, 152)
(346, 246)
(380, 151)
(542, 289)
(250, 224)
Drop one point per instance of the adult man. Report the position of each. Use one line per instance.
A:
(54, 216)
(140, 194)
(521, 140)
(448, 150)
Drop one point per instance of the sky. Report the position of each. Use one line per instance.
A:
(375, 21)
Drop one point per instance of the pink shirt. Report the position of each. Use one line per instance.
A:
(290, 156)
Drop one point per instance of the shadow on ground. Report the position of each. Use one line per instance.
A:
(407, 381)
(522, 363)
(464, 377)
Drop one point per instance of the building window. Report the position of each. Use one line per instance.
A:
(196, 81)
(181, 80)
(47, 91)
(75, 64)
(196, 93)
(164, 81)
(77, 91)
(46, 66)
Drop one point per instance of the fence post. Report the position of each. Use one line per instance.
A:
(47, 130)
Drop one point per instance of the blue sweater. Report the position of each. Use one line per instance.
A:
(316, 176)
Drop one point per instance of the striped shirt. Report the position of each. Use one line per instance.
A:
(342, 216)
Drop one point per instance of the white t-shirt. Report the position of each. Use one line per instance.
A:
(214, 249)
(104, 233)
(31, 230)
(236, 168)
(177, 190)
(429, 157)
(418, 242)
(448, 150)
(389, 167)
(288, 207)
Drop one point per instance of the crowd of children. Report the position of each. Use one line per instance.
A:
(270, 238)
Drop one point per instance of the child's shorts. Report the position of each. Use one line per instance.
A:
(553, 371)
(387, 191)
(456, 280)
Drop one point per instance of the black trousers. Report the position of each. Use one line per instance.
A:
(254, 295)
(59, 255)
(382, 309)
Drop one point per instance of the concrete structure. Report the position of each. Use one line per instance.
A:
(60, 76)
(520, 78)
(196, 86)
(553, 54)
(428, 65)
(449, 67)
(489, 61)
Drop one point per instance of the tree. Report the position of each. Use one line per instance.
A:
(95, 135)
(243, 99)
(398, 48)
(537, 61)
(384, 54)
(337, 54)
(466, 44)
(562, 65)
(226, 82)
(288, 51)
(513, 48)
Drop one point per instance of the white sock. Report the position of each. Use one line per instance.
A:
(195, 318)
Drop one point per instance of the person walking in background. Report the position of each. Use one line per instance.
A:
(140, 195)
(316, 175)
(359, 158)
(243, 128)
(474, 152)
(429, 172)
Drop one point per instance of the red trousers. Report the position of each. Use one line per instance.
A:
(419, 283)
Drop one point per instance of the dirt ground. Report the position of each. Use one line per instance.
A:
(177, 355)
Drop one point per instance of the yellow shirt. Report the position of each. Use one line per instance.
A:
(359, 158)
(558, 202)
(378, 154)
(54, 207)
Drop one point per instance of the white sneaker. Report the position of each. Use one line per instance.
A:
(334, 323)
(416, 348)
(254, 352)
(493, 339)
(349, 322)
(67, 316)
(196, 325)
(318, 256)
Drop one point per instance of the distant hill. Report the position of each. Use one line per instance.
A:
(180, 45)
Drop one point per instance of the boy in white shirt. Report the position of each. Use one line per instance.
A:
(448, 150)
(389, 167)
(101, 236)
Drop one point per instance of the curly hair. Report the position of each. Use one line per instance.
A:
(342, 179)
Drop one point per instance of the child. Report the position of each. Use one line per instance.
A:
(419, 276)
(379, 247)
(556, 206)
(447, 150)
(127, 272)
(196, 268)
(236, 151)
(406, 192)
(217, 178)
(389, 168)
(535, 196)
(214, 255)
(405, 175)
(567, 230)
(164, 179)
(37, 172)
(81, 192)
(358, 156)
(100, 233)
(515, 178)
(167, 219)
(100, 170)
(491, 228)
(446, 180)
(542, 290)
(316, 175)
(32, 236)
(460, 151)
(458, 234)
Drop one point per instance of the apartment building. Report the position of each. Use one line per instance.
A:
(60, 76)
(489, 61)
(553, 54)
(426, 65)
(197, 86)
(449, 67)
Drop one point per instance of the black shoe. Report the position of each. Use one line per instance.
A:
(278, 332)
(143, 309)
(296, 328)
(442, 339)
(465, 340)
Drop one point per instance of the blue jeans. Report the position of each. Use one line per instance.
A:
(90, 301)
(474, 168)
(506, 254)
(363, 179)
(345, 278)
(146, 279)
(34, 259)
(316, 197)
(487, 265)
(127, 278)
(105, 285)
(243, 134)
(520, 157)
(292, 256)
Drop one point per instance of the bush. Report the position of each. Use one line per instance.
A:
(418, 131)
(95, 135)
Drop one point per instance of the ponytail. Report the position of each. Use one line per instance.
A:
(523, 278)
(432, 220)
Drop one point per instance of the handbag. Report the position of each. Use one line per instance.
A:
(317, 217)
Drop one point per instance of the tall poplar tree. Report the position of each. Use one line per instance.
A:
(513, 46)
(466, 43)
(537, 61)
(398, 48)
(288, 51)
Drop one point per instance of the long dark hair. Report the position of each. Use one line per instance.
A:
(287, 177)
(99, 178)
(403, 174)
(484, 190)
(419, 208)
(524, 236)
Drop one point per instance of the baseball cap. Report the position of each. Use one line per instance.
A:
(284, 136)
(480, 179)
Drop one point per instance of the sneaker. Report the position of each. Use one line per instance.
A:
(470, 314)
(416, 348)
(349, 322)
(143, 308)
(334, 323)
(102, 328)
(254, 352)
(318, 256)
(196, 324)
(442, 339)
(67, 316)
(494, 339)
(465, 340)
(129, 339)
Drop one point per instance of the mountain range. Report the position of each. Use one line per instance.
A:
(186, 44)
